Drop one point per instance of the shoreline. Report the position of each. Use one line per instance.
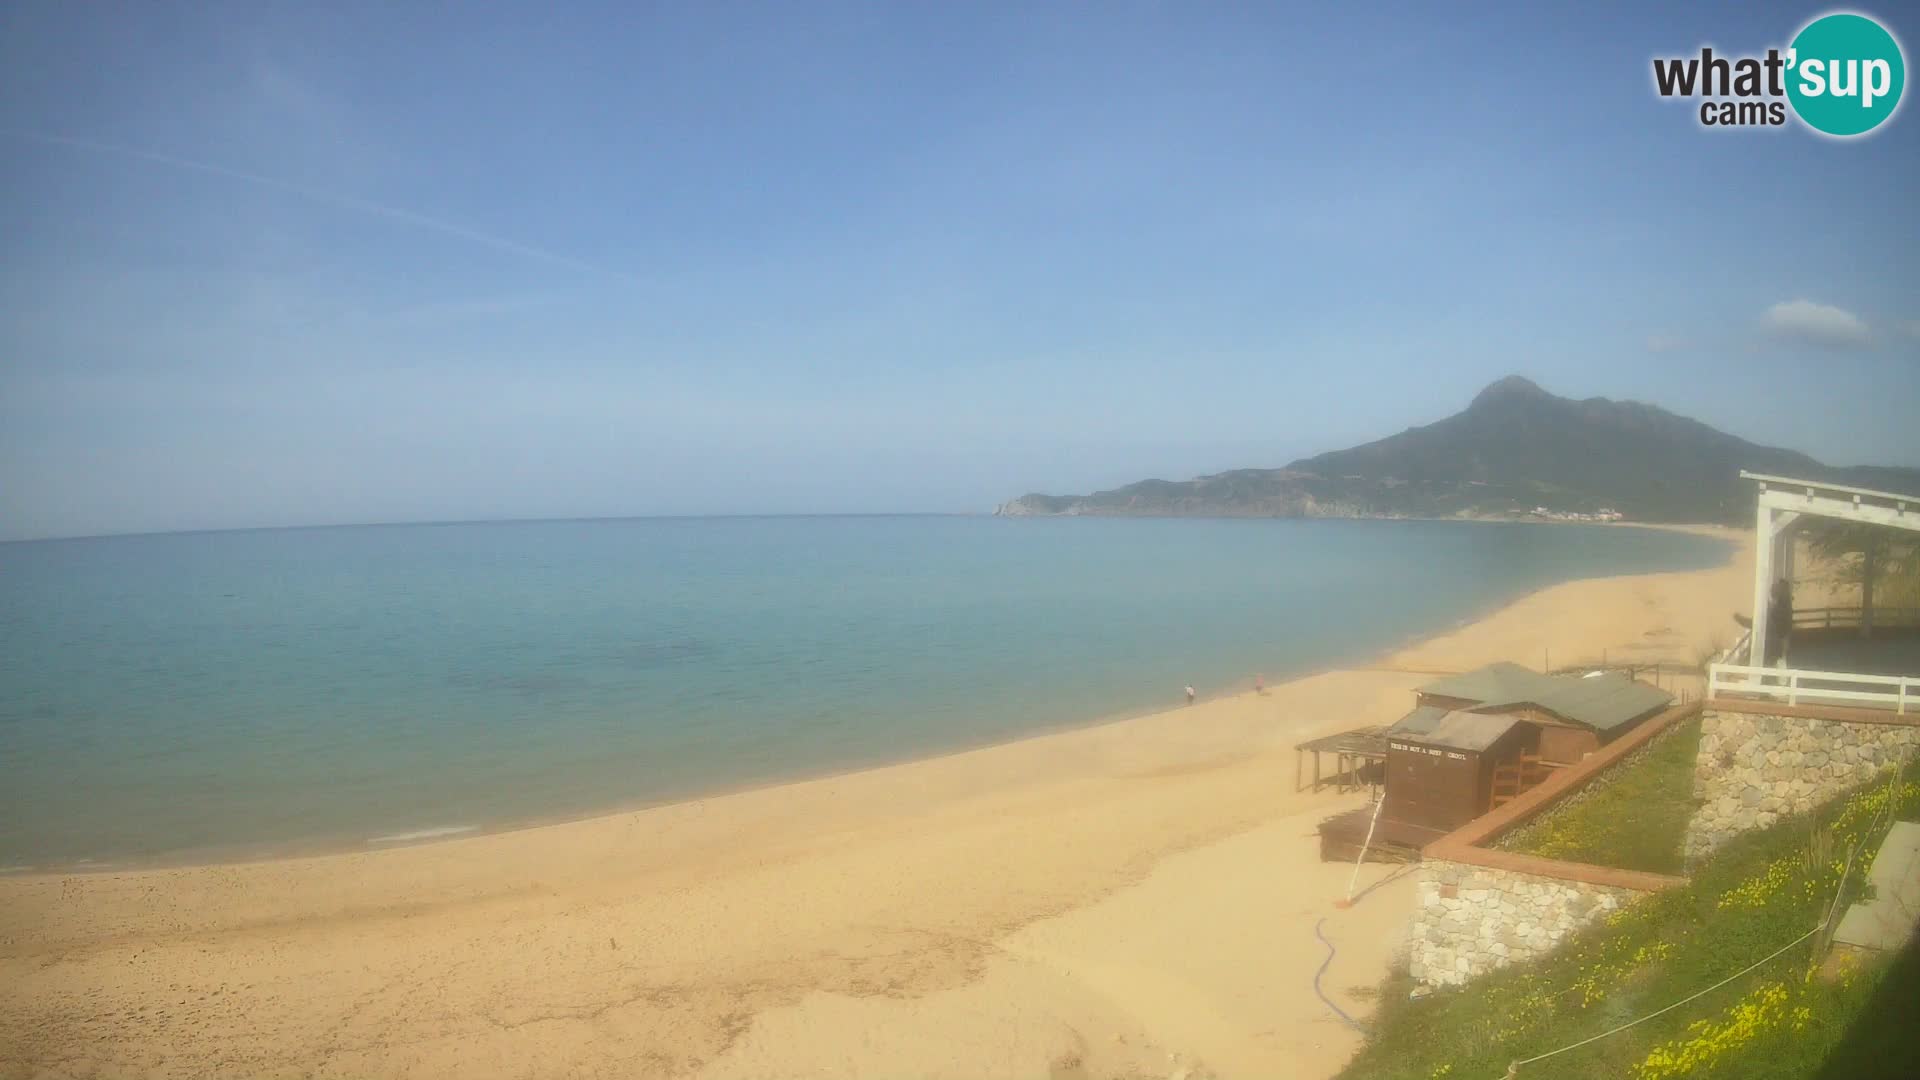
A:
(1129, 899)
(416, 836)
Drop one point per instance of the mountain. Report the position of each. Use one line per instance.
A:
(1514, 449)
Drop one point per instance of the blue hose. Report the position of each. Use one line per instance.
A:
(1337, 1010)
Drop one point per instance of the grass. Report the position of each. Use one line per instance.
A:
(1760, 892)
(1637, 821)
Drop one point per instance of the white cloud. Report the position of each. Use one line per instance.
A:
(1817, 324)
(1663, 343)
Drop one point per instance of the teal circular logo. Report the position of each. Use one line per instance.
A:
(1844, 74)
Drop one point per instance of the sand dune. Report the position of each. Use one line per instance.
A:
(1133, 899)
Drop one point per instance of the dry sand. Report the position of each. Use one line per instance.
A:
(1134, 899)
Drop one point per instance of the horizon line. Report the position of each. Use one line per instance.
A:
(441, 522)
(798, 515)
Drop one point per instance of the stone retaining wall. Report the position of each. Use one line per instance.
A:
(1756, 767)
(1469, 920)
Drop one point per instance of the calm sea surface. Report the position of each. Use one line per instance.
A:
(224, 693)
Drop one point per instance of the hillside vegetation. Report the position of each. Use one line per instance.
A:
(1637, 819)
(1759, 894)
(1515, 448)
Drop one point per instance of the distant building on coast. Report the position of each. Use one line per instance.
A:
(1605, 513)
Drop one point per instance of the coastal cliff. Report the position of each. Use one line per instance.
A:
(1515, 451)
(1242, 493)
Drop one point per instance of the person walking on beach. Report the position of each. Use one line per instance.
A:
(1259, 683)
(1189, 693)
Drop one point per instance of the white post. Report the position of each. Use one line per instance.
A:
(1762, 581)
(1786, 544)
(1783, 544)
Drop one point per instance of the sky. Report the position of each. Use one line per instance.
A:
(279, 264)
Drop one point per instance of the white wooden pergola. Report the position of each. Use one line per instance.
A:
(1785, 504)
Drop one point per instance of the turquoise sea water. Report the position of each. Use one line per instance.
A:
(212, 694)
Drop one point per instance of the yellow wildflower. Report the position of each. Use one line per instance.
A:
(1707, 1041)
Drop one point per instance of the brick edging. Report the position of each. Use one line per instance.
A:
(1840, 713)
(1559, 869)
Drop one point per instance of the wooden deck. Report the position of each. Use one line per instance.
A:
(1353, 752)
(1342, 835)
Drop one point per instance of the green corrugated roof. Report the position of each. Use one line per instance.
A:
(1435, 726)
(1418, 722)
(1504, 681)
(1602, 702)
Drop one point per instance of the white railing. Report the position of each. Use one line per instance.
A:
(1795, 687)
(1829, 617)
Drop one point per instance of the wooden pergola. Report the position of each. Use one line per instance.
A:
(1786, 503)
(1351, 750)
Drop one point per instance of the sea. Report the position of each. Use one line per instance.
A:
(209, 696)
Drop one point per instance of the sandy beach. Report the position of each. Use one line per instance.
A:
(1138, 898)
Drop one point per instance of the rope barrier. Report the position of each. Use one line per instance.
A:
(1514, 1069)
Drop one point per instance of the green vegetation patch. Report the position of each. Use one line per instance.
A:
(1635, 818)
(1758, 894)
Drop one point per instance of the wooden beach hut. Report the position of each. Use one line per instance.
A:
(1442, 766)
(1576, 714)
(1475, 740)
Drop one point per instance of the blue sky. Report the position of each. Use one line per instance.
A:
(284, 264)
